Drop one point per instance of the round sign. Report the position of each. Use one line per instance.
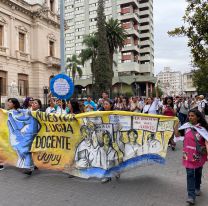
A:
(62, 86)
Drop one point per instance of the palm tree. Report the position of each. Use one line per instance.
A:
(116, 36)
(73, 65)
(90, 52)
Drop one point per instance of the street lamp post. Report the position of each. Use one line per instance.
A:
(62, 41)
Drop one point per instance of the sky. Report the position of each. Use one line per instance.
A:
(170, 51)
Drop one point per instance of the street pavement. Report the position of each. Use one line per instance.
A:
(153, 185)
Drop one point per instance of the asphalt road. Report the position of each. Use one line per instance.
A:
(154, 185)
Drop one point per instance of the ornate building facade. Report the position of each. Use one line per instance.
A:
(29, 46)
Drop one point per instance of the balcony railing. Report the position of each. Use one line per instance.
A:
(52, 61)
(4, 51)
(22, 55)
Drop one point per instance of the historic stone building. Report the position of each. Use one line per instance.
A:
(29, 46)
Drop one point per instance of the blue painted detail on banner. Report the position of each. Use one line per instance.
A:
(67, 82)
(131, 163)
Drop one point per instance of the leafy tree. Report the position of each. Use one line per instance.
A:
(90, 52)
(116, 36)
(73, 65)
(200, 78)
(103, 71)
(196, 29)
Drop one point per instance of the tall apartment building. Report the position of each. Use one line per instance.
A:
(136, 17)
(170, 81)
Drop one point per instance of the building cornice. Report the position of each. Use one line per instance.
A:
(34, 11)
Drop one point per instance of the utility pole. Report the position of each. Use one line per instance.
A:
(62, 40)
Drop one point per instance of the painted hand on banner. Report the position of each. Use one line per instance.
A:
(23, 128)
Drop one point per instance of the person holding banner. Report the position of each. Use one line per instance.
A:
(36, 105)
(12, 104)
(62, 107)
(51, 108)
(169, 110)
(195, 147)
(23, 128)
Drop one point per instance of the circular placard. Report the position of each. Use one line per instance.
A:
(62, 86)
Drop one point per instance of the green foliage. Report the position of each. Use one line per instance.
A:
(73, 65)
(90, 52)
(103, 72)
(116, 36)
(196, 29)
(200, 79)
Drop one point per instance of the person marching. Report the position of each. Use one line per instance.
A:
(169, 110)
(195, 148)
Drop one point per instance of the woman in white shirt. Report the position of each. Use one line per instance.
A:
(151, 105)
(51, 108)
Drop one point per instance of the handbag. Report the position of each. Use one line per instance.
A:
(148, 109)
(202, 150)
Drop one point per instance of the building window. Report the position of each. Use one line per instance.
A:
(21, 42)
(3, 82)
(51, 48)
(51, 77)
(1, 35)
(52, 5)
(23, 84)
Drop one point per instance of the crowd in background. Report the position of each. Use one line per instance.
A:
(191, 111)
(170, 106)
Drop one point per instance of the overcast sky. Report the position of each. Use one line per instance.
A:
(170, 51)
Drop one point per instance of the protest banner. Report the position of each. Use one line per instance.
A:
(93, 144)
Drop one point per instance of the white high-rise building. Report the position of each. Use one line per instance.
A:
(136, 16)
(170, 81)
(135, 63)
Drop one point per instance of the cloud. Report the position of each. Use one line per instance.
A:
(170, 51)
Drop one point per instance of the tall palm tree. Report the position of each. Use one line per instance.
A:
(73, 65)
(116, 36)
(90, 52)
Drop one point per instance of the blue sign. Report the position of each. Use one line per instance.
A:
(62, 86)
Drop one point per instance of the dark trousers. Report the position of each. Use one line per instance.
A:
(182, 117)
(193, 181)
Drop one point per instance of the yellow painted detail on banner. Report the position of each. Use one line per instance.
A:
(62, 142)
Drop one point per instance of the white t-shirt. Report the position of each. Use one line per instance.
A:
(151, 108)
(61, 111)
(201, 105)
(50, 110)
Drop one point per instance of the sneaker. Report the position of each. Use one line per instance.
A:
(71, 176)
(105, 180)
(36, 168)
(118, 176)
(1, 167)
(27, 172)
(198, 192)
(190, 201)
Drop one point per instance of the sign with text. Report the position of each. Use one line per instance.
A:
(85, 146)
